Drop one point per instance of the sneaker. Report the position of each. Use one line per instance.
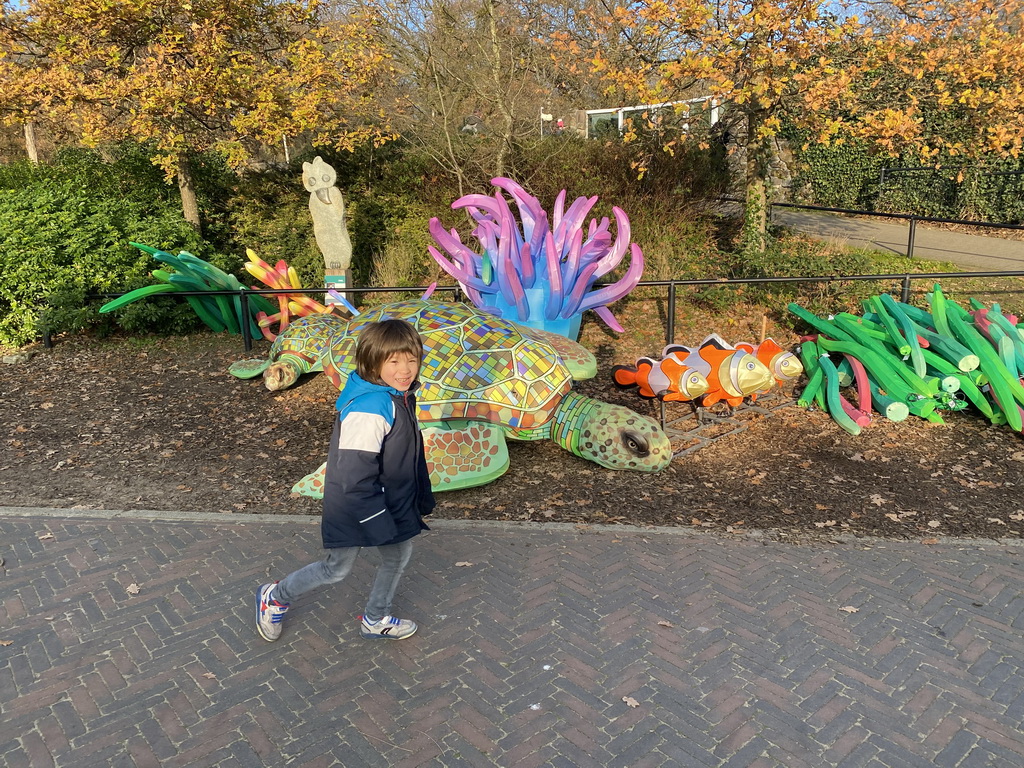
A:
(269, 613)
(389, 627)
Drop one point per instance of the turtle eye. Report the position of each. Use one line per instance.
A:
(635, 443)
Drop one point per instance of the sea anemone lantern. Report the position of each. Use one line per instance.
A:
(539, 275)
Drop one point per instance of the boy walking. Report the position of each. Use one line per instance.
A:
(377, 487)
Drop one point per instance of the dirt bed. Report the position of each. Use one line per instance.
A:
(159, 424)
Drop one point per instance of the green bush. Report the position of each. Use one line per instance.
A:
(66, 228)
(850, 176)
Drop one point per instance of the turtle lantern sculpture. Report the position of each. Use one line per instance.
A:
(483, 379)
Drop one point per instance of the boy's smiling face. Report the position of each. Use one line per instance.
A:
(399, 371)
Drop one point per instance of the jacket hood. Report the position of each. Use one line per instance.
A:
(356, 386)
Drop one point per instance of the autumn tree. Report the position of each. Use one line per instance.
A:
(475, 59)
(226, 75)
(940, 79)
(745, 54)
(928, 76)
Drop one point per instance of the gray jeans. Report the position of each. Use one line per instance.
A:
(337, 565)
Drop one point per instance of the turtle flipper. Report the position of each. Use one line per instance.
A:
(464, 455)
(312, 485)
(248, 369)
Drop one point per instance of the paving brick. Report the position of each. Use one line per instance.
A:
(779, 677)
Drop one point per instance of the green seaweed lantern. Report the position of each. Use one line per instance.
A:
(917, 361)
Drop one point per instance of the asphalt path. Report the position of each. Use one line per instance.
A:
(972, 252)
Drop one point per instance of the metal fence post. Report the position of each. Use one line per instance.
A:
(905, 295)
(244, 320)
(670, 329)
(911, 236)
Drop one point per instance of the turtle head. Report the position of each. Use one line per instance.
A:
(279, 375)
(611, 435)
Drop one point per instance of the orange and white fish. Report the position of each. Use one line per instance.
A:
(785, 366)
(732, 374)
(662, 379)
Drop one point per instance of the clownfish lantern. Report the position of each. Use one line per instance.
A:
(664, 379)
(784, 365)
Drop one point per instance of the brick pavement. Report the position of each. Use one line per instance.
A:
(737, 651)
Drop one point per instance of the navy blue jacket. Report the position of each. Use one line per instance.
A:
(377, 487)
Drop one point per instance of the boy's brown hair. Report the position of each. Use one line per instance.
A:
(379, 341)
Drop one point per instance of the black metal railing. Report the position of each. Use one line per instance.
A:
(905, 280)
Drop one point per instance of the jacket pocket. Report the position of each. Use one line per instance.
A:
(378, 528)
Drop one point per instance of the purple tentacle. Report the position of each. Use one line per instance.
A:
(554, 278)
(510, 232)
(558, 210)
(484, 202)
(540, 229)
(571, 266)
(621, 287)
(571, 221)
(583, 282)
(450, 241)
(530, 209)
(618, 249)
(609, 319)
(465, 278)
(529, 272)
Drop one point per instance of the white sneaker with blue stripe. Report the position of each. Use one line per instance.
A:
(389, 627)
(269, 613)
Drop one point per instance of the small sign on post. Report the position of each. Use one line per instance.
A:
(339, 283)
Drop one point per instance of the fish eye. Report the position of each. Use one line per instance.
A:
(635, 443)
(750, 366)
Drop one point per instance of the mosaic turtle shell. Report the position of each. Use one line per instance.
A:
(476, 366)
(307, 340)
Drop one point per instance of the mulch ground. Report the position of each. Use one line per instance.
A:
(159, 424)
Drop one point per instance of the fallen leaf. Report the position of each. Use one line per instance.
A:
(132, 589)
(463, 564)
(630, 701)
(893, 516)
(46, 406)
(929, 541)
(934, 523)
(995, 520)
(877, 500)
(209, 676)
(45, 536)
(850, 609)
(1018, 516)
(668, 624)
(5, 643)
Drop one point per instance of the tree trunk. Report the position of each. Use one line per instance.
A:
(755, 210)
(497, 70)
(30, 141)
(186, 185)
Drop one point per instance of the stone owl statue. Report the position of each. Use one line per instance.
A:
(327, 208)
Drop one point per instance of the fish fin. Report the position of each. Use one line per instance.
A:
(624, 375)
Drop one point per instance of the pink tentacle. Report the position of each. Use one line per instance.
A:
(621, 287)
